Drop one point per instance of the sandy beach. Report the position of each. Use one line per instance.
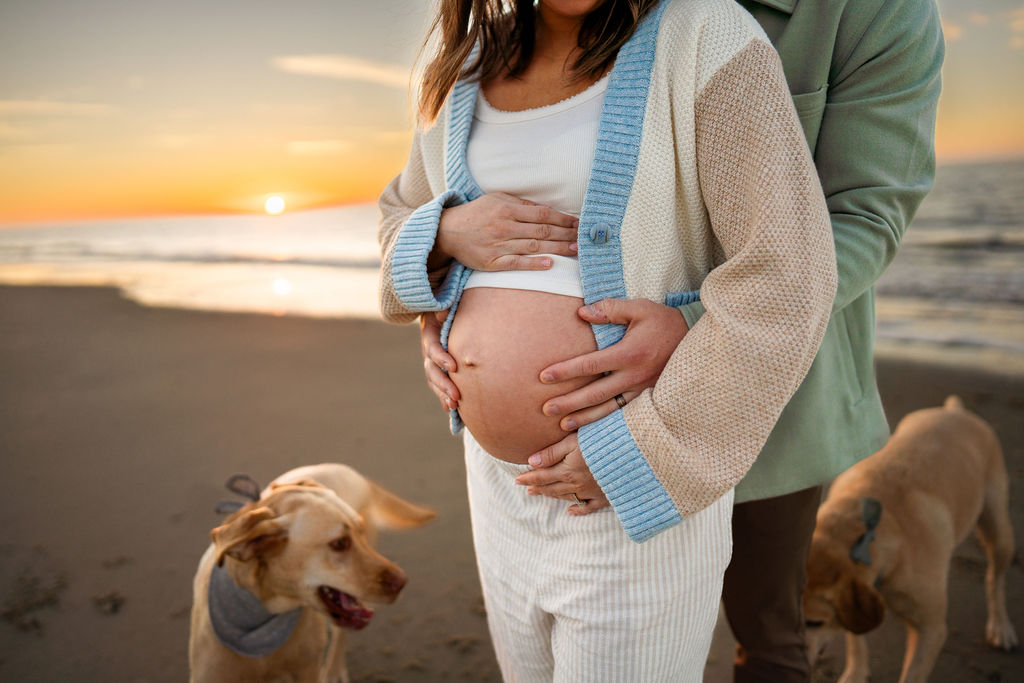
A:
(119, 425)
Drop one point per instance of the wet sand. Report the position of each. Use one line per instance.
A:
(119, 425)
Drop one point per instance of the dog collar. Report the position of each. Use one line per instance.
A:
(241, 622)
(871, 514)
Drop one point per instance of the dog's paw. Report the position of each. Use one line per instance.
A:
(999, 633)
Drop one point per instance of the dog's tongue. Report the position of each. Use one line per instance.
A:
(358, 614)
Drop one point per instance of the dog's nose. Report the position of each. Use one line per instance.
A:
(393, 581)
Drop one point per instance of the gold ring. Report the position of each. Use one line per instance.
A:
(578, 501)
(620, 401)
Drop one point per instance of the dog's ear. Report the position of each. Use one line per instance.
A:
(387, 510)
(859, 607)
(250, 532)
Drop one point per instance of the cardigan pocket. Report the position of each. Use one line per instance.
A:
(676, 299)
(810, 107)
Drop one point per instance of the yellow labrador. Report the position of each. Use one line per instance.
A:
(287, 573)
(886, 533)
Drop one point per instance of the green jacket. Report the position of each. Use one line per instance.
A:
(864, 75)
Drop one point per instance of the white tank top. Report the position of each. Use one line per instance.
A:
(544, 155)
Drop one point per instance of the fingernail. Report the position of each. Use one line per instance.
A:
(575, 224)
(546, 262)
(531, 492)
(574, 247)
(534, 460)
(446, 366)
(569, 425)
(547, 377)
(551, 410)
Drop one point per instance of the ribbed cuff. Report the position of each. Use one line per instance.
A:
(641, 503)
(409, 263)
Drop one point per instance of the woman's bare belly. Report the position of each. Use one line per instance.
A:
(501, 339)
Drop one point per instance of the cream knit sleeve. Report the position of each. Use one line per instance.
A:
(767, 305)
(410, 211)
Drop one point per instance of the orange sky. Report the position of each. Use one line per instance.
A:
(202, 110)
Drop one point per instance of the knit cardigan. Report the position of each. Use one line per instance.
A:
(701, 182)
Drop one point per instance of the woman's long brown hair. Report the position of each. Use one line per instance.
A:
(506, 31)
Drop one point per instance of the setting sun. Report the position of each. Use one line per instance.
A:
(274, 205)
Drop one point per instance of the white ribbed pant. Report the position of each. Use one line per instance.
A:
(573, 599)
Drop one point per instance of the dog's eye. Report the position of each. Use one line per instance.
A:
(341, 544)
(814, 624)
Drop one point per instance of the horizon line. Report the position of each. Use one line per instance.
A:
(12, 222)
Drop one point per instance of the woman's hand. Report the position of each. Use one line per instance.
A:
(501, 232)
(630, 366)
(436, 361)
(559, 472)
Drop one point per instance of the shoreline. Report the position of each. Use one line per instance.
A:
(119, 424)
(987, 359)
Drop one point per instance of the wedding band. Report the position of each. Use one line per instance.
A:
(578, 501)
(620, 401)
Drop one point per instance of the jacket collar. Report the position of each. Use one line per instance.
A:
(781, 5)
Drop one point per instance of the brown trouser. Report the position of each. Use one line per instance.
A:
(764, 584)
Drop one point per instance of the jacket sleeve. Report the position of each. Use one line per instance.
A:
(678, 447)
(410, 213)
(875, 150)
(876, 147)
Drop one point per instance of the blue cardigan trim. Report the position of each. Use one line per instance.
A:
(409, 264)
(677, 299)
(641, 503)
(636, 495)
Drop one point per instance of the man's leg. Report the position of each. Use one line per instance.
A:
(764, 584)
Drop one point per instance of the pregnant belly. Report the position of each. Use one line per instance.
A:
(501, 339)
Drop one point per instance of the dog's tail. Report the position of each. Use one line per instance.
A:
(389, 511)
(953, 402)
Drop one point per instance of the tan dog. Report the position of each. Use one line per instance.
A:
(287, 573)
(939, 476)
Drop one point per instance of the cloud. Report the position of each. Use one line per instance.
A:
(53, 108)
(45, 149)
(346, 68)
(978, 19)
(9, 132)
(1017, 26)
(952, 31)
(317, 148)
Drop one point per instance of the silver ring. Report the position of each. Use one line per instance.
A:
(577, 500)
(620, 401)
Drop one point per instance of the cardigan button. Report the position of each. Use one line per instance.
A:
(600, 232)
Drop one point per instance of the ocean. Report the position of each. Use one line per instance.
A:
(955, 290)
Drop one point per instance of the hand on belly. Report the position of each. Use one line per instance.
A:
(501, 339)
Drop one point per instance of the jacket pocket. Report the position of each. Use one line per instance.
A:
(810, 107)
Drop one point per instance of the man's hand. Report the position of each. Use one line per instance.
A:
(560, 471)
(436, 361)
(630, 366)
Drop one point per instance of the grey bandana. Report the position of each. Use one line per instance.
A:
(242, 623)
(871, 514)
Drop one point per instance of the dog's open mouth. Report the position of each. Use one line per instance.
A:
(346, 610)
